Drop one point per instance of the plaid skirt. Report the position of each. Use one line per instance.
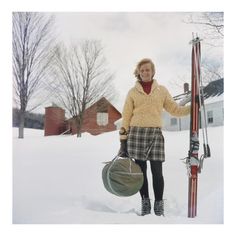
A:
(146, 144)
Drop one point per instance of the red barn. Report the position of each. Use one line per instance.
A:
(98, 118)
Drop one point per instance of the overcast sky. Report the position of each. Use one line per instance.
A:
(129, 37)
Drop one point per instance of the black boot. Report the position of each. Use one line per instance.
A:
(146, 206)
(159, 207)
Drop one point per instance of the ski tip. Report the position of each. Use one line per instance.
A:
(195, 39)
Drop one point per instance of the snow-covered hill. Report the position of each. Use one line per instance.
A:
(57, 179)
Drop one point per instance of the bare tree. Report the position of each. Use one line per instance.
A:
(31, 45)
(82, 78)
(211, 71)
(212, 25)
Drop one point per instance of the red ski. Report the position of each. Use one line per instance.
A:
(194, 163)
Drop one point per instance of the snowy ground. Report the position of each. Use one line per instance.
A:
(57, 179)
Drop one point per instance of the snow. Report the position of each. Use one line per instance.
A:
(57, 180)
(214, 99)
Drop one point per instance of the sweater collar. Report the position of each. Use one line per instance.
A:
(139, 87)
(148, 83)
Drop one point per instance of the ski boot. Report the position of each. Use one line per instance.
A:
(159, 208)
(146, 206)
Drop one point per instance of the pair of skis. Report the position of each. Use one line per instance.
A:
(198, 117)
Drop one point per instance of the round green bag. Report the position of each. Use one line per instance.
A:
(122, 177)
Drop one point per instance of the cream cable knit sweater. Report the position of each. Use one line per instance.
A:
(145, 110)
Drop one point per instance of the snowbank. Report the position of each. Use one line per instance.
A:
(57, 179)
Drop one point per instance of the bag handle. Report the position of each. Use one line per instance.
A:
(116, 158)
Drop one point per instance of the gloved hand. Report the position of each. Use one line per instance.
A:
(185, 100)
(123, 148)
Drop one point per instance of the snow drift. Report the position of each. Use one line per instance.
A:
(57, 179)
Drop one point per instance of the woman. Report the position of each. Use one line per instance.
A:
(141, 136)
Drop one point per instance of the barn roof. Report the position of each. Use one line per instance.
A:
(103, 99)
(214, 88)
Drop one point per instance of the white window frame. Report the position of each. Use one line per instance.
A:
(102, 118)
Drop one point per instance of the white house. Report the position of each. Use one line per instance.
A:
(214, 109)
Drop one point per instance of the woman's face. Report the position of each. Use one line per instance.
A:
(146, 72)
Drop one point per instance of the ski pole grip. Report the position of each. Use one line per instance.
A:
(207, 151)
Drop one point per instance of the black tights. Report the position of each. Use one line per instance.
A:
(157, 179)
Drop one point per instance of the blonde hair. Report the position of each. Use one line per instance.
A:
(142, 62)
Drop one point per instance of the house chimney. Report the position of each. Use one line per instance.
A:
(186, 87)
(54, 120)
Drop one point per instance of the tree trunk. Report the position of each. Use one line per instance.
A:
(22, 124)
(79, 131)
(79, 122)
